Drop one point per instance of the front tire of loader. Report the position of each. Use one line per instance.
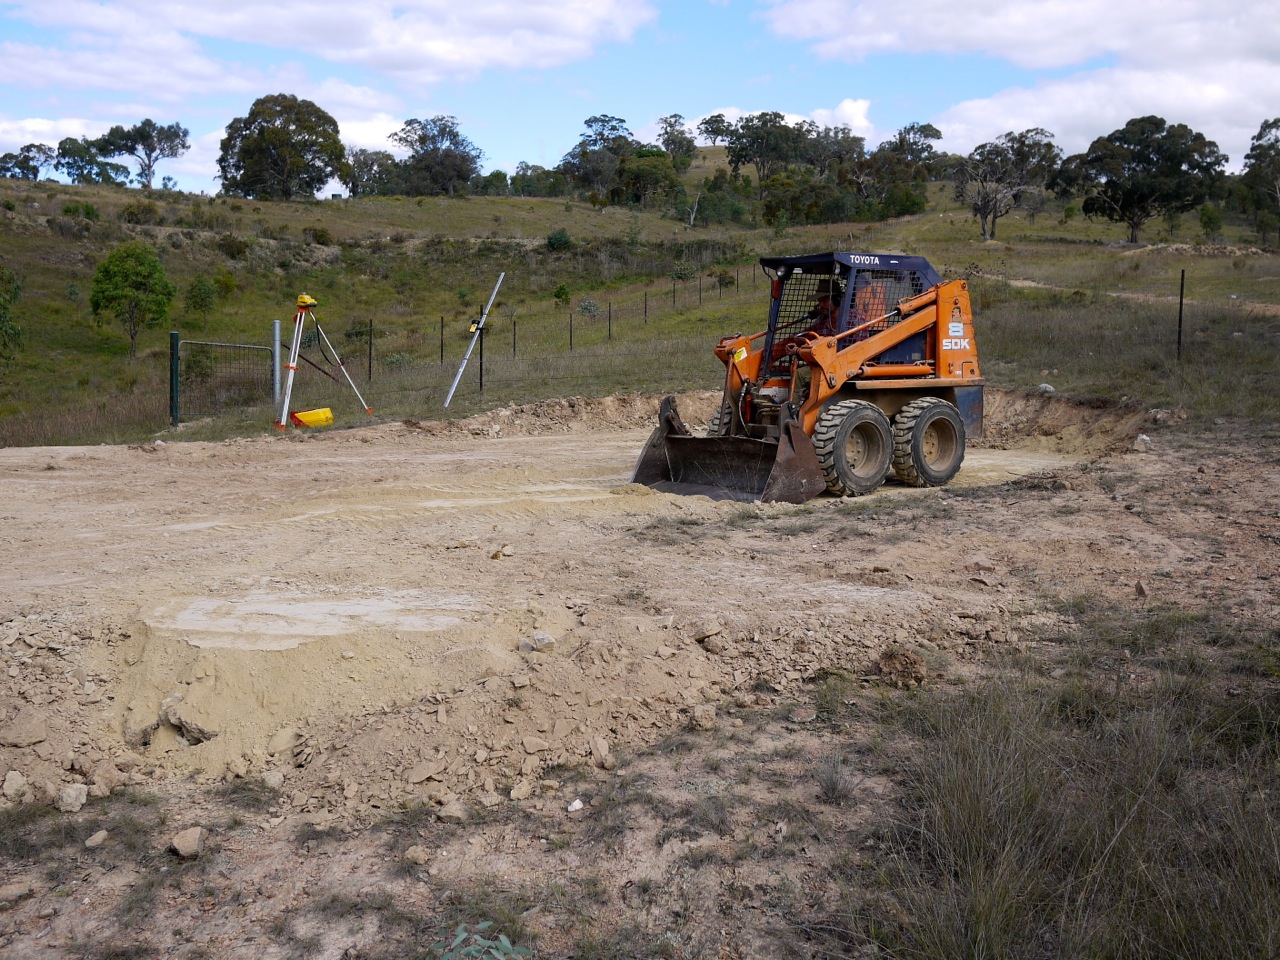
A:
(854, 443)
(928, 442)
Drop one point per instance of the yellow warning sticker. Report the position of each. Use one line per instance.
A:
(740, 354)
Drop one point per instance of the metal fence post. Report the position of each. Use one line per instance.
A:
(610, 337)
(513, 336)
(1182, 288)
(173, 377)
(646, 306)
(275, 364)
(442, 340)
(371, 349)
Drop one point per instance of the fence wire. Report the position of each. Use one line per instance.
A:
(216, 377)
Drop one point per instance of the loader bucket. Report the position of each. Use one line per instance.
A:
(729, 468)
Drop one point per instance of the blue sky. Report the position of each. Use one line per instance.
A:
(522, 75)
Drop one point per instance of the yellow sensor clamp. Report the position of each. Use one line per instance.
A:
(305, 301)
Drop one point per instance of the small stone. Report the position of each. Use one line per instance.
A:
(704, 717)
(282, 741)
(13, 892)
(273, 779)
(522, 790)
(26, 729)
(599, 750)
(535, 745)
(97, 840)
(453, 812)
(15, 786)
(1140, 589)
(418, 854)
(575, 806)
(72, 798)
(1046, 389)
(188, 844)
(803, 715)
(520, 681)
(713, 645)
(427, 770)
(707, 629)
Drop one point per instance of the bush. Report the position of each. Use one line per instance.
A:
(558, 240)
(140, 212)
(85, 211)
(232, 246)
(318, 235)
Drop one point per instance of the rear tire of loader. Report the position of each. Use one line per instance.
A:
(854, 443)
(928, 442)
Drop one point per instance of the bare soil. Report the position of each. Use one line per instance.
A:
(379, 667)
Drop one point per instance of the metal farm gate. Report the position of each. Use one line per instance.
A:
(206, 379)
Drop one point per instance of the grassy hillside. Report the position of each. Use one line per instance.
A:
(1046, 291)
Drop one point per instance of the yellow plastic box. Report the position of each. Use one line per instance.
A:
(312, 418)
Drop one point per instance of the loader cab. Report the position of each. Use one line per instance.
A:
(865, 288)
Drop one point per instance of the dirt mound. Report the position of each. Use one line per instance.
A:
(572, 415)
(1015, 420)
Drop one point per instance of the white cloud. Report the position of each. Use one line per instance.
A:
(421, 41)
(1080, 108)
(1036, 34)
(1215, 69)
(18, 133)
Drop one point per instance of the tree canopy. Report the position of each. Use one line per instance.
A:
(27, 163)
(1262, 166)
(131, 286)
(1147, 169)
(440, 157)
(147, 142)
(284, 147)
(997, 176)
(81, 161)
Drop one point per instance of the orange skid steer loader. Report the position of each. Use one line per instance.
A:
(868, 366)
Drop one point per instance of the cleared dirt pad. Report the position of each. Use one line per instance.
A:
(448, 616)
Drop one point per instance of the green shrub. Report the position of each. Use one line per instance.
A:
(559, 240)
(140, 212)
(318, 235)
(232, 246)
(81, 209)
(225, 282)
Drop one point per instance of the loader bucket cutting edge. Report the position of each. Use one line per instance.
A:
(729, 468)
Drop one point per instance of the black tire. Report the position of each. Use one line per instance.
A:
(854, 443)
(928, 442)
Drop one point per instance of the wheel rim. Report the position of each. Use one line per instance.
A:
(864, 450)
(939, 444)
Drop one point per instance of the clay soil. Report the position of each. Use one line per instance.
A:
(424, 673)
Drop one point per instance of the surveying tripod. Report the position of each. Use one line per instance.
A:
(305, 303)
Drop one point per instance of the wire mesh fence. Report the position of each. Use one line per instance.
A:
(207, 378)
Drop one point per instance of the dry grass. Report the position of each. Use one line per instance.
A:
(1088, 816)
